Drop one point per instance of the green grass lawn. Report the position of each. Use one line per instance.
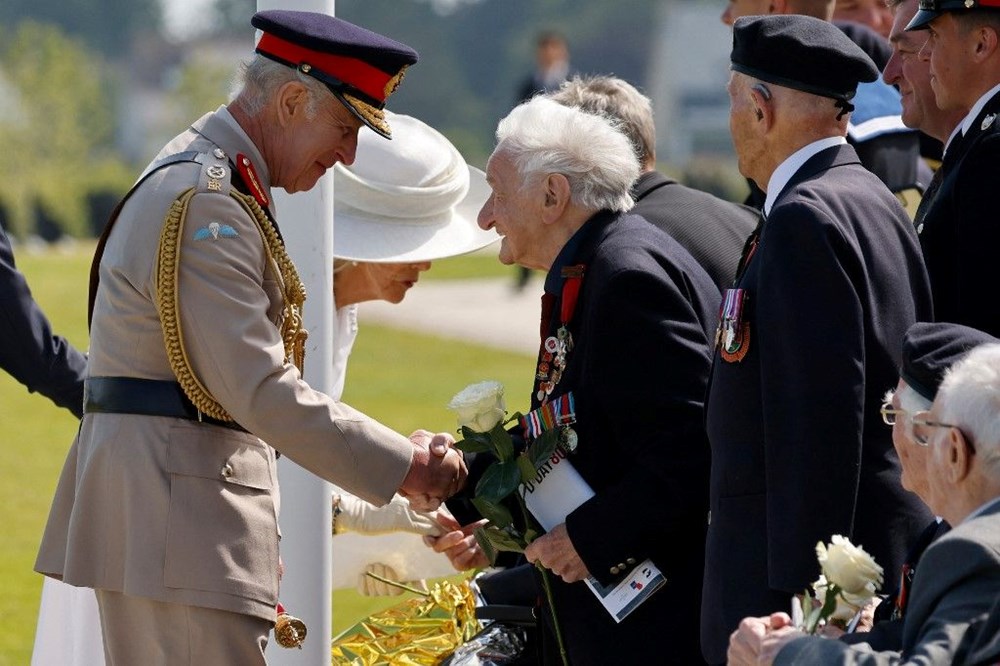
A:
(403, 379)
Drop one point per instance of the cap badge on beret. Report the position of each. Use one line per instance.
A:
(361, 68)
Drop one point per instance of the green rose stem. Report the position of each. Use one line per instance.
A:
(548, 588)
(552, 608)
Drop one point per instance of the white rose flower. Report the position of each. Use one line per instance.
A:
(480, 406)
(849, 567)
(847, 604)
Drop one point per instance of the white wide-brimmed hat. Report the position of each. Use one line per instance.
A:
(409, 199)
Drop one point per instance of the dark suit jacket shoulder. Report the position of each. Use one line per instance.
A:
(960, 232)
(44, 362)
(711, 229)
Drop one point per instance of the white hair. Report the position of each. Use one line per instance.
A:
(970, 397)
(542, 137)
(260, 77)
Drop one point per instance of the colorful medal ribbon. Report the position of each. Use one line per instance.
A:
(555, 348)
(560, 412)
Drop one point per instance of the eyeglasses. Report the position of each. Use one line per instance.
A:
(914, 423)
(890, 414)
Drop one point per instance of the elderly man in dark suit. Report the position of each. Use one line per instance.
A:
(711, 229)
(958, 581)
(960, 232)
(30, 351)
(627, 318)
(809, 337)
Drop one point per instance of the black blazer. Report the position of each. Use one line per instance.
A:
(961, 233)
(29, 351)
(638, 371)
(713, 230)
(799, 451)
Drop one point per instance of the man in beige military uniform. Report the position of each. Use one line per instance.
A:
(168, 502)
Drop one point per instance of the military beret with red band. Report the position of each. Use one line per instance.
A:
(360, 67)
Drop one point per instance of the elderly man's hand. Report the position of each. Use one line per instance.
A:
(757, 640)
(458, 543)
(555, 552)
(436, 473)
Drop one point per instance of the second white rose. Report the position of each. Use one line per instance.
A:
(849, 567)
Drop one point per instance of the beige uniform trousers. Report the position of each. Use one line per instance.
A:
(140, 631)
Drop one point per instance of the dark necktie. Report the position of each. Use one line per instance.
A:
(928, 197)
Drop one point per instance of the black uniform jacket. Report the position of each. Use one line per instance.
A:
(799, 451)
(713, 230)
(638, 371)
(29, 351)
(961, 230)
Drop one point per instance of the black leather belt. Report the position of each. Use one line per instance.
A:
(149, 397)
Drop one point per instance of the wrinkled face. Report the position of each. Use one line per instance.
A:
(912, 456)
(514, 212)
(872, 13)
(742, 122)
(737, 8)
(947, 49)
(312, 146)
(382, 282)
(938, 488)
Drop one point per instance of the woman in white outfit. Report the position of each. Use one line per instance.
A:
(401, 205)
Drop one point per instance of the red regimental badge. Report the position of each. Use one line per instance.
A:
(249, 174)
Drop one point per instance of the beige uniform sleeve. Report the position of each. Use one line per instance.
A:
(228, 301)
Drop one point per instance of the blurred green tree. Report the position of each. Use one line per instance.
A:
(56, 127)
(104, 25)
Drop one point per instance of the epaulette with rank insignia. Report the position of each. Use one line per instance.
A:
(215, 172)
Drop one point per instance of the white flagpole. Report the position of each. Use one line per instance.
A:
(306, 221)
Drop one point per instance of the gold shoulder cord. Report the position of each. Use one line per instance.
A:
(293, 335)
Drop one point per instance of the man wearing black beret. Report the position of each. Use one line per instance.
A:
(808, 337)
(960, 231)
(168, 502)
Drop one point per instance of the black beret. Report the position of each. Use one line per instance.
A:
(929, 349)
(801, 52)
(931, 9)
(360, 67)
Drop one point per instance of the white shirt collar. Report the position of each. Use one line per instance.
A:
(974, 112)
(792, 164)
(982, 509)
